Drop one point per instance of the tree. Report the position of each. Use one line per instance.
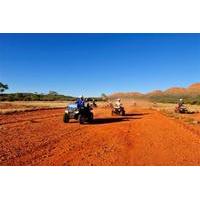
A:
(19, 96)
(104, 97)
(53, 93)
(3, 87)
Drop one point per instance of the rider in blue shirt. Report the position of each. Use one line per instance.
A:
(80, 102)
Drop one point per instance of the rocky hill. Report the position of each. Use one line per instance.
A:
(191, 94)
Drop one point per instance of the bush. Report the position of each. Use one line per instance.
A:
(35, 97)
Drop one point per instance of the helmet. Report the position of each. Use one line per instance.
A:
(181, 100)
(81, 96)
(118, 99)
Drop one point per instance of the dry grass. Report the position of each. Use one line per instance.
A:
(168, 110)
(170, 107)
(22, 106)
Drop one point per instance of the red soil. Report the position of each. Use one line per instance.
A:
(143, 137)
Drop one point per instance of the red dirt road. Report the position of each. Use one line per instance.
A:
(143, 137)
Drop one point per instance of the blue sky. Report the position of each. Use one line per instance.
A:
(91, 64)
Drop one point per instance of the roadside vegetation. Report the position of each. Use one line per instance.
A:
(3, 87)
(35, 97)
(51, 96)
(192, 98)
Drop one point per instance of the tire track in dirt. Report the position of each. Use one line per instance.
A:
(29, 116)
(164, 141)
(32, 119)
(39, 150)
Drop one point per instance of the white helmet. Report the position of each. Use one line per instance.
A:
(118, 99)
(181, 100)
(81, 96)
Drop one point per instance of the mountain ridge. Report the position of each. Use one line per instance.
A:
(193, 89)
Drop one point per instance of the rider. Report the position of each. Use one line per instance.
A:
(94, 102)
(80, 102)
(181, 103)
(118, 103)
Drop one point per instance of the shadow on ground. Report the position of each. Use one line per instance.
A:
(112, 120)
(109, 120)
(136, 114)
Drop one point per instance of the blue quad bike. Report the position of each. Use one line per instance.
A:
(83, 114)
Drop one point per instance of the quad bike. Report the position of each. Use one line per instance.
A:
(92, 102)
(83, 114)
(94, 105)
(181, 110)
(118, 111)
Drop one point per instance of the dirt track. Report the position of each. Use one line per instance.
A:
(143, 137)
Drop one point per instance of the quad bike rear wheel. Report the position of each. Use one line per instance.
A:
(91, 118)
(81, 119)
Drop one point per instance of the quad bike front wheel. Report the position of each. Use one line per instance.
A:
(112, 113)
(122, 113)
(66, 118)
